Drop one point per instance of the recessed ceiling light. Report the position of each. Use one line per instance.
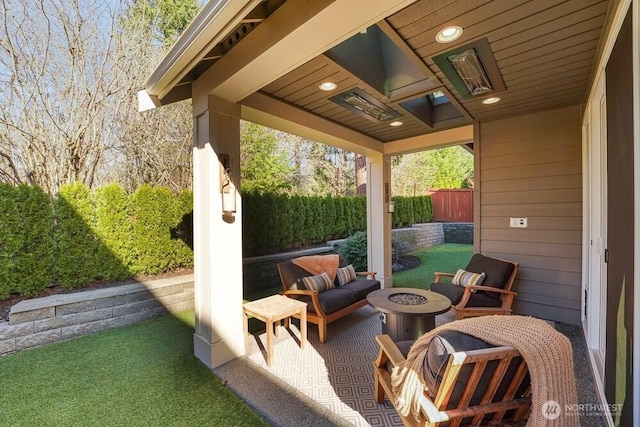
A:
(449, 34)
(396, 123)
(328, 86)
(491, 100)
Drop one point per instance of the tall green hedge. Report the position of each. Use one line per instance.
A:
(83, 236)
(411, 210)
(114, 229)
(79, 250)
(273, 223)
(26, 240)
(155, 213)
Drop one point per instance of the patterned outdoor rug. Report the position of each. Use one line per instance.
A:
(338, 374)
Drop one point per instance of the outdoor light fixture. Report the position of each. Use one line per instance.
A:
(228, 194)
(227, 187)
(491, 100)
(396, 123)
(328, 86)
(449, 34)
(365, 105)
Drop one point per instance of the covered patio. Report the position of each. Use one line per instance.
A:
(332, 383)
(545, 94)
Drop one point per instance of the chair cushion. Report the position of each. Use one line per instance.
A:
(448, 342)
(346, 274)
(497, 272)
(320, 282)
(454, 293)
(361, 288)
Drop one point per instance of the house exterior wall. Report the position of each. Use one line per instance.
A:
(530, 167)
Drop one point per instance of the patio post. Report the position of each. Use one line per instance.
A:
(218, 334)
(378, 219)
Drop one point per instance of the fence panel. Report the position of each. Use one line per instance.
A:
(455, 205)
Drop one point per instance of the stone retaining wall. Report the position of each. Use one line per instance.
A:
(40, 321)
(261, 273)
(458, 232)
(418, 236)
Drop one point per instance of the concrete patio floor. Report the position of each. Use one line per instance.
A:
(331, 384)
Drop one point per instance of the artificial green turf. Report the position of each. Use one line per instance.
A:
(448, 257)
(140, 375)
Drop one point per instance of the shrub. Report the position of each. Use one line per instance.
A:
(77, 247)
(35, 264)
(26, 240)
(155, 212)
(11, 240)
(354, 250)
(114, 229)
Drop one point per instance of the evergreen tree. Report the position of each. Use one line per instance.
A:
(263, 169)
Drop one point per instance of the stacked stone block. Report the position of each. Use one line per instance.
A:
(458, 232)
(40, 321)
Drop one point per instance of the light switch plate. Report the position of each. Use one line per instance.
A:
(518, 223)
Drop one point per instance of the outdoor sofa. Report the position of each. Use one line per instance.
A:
(331, 304)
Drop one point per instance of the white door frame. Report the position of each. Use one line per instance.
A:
(594, 282)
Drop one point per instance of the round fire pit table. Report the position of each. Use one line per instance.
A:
(408, 313)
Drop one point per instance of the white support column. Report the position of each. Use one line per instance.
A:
(218, 336)
(378, 219)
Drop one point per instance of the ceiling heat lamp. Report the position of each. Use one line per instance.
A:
(472, 69)
(365, 105)
(469, 68)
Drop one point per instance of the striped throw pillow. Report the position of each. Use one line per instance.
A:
(319, 283)
(467, 278)
(346, 274)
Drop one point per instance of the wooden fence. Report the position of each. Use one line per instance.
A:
(452, 205)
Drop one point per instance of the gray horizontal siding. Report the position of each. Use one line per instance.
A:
(530, 166)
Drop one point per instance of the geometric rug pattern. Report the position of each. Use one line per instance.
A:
(337, 374)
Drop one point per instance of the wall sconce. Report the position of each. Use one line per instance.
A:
(228, 194)
(227, 188)
(387, 198)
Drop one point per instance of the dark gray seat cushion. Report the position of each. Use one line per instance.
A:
(448, 342)
(455, 292)
(331, 300)
(435, 364)
(361, 288)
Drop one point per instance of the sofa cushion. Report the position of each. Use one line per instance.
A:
(290, 275)
(361, 288)
(454, 293)
(320, 282)
(346, 274)
(335, 299)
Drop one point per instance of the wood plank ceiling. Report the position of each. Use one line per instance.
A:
(544, 50)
